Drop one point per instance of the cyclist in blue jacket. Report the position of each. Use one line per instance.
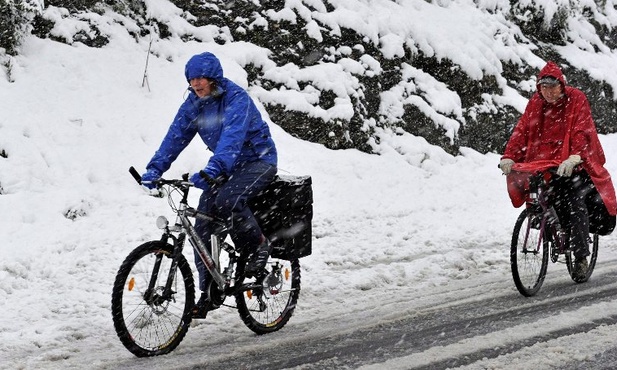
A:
(228, 122)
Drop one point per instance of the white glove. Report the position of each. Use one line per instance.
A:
(566, 167)
(506, 165)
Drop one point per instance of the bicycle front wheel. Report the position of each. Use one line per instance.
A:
(528, 254)
(593, 257)
(149, 320)
(267, 307)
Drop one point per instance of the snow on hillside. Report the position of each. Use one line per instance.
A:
(76, 118)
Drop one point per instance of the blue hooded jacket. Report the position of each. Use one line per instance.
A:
(227, 121)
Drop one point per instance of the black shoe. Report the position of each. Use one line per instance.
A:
(259, 258)
(203, 306)
(579, 271)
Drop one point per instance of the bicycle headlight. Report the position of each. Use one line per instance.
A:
(161, 222)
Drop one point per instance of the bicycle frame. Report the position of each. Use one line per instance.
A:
(184, 227)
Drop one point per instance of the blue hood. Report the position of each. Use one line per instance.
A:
(227, 121)
(204, 65)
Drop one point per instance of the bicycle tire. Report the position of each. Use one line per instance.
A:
(268, 309)
(528, 262)
(156, 327)
(593, 257)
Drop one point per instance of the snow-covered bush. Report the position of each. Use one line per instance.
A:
(454, 72)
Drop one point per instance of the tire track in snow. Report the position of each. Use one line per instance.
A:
(466, 324)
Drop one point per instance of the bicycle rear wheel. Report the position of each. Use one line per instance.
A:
(528, 254)
(593, 257)
(148, 322)
(268, 307)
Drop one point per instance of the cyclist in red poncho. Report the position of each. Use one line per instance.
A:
(557, 126)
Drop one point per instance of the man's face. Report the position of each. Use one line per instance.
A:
(202, 86)
(551, 93)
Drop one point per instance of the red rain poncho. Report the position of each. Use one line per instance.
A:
(550, 133)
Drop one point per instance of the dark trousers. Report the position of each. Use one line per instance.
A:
(569, 199)
(229, 202)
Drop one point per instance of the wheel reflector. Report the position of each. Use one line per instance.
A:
(249, 294)
(131, 284)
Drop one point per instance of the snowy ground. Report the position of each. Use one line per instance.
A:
(412, 220)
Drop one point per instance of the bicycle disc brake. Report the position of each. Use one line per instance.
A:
(273, 282)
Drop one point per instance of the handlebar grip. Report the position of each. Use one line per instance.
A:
(218, 181)
(135, 174)
(208, 179)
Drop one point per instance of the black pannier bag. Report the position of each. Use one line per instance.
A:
(284, 211)
(600, 221)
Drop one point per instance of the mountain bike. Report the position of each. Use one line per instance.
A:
(538, 236)
(154, 291)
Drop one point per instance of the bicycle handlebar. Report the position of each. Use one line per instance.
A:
(183, 185)
(135, 174)
(178, 182)
(184, 181)
(541, 166)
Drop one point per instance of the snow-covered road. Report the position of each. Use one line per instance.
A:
(476, 323)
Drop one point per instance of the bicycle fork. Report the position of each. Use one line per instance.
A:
(151, 296)
(538, 245)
